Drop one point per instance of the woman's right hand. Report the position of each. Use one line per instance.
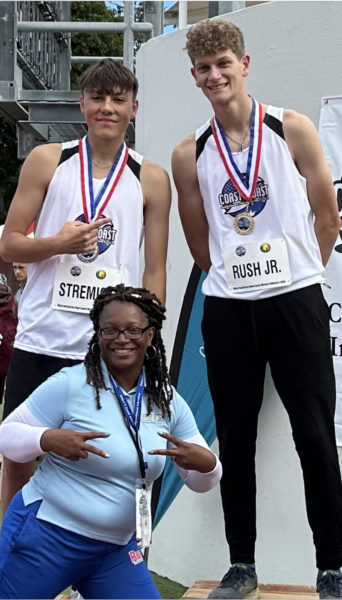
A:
(71, 444)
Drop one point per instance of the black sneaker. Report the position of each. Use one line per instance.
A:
(240, 582)
(329, 583)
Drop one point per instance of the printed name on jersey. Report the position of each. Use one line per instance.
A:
(73, 290)
(232, 204)
(106, 238)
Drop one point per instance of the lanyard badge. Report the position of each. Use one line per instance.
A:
(142, 494)
(143, 516)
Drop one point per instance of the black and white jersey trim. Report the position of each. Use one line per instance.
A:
(134, 166)
(131, 163)
(200, 143)
(274, 124)
(67, 153)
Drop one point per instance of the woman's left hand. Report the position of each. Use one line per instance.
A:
(186, 455)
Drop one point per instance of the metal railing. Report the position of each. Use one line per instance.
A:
(43, 36)
(36, 62)
(44, 56)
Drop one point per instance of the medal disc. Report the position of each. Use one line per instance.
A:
(89, 256)
(244, 223)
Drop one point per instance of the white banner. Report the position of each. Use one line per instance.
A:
(330, 130)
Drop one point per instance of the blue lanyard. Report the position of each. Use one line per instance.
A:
(94, 202)
(132, 418)
(243, 178)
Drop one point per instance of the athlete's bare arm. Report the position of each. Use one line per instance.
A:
(156, 189)
(190, 202)
(305, 146)
(74, 237)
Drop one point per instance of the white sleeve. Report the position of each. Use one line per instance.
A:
(20, 435)
(196, 481)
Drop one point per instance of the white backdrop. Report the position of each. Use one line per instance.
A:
(330, 129)
(295, 49)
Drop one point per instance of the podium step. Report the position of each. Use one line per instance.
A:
(201, 589)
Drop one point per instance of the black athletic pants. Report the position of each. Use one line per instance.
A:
(291, 333)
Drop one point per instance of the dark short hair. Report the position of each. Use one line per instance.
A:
(109, 75)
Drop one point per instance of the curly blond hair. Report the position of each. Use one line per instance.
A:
(214, 35)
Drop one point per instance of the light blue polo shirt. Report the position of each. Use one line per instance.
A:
(95, 497)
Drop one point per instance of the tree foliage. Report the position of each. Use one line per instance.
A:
(93, 44)
(99, 44)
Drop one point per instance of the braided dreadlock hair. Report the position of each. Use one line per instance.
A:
(158, 385)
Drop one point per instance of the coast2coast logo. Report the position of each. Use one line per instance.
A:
(106, 238)
(233, 204)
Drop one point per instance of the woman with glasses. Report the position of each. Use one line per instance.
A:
(104, 427)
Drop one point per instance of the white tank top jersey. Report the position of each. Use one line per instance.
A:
(280, 210)
(61, 333)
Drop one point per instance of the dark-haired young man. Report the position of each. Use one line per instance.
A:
(259, 213)
(92, 201)
(20, 273)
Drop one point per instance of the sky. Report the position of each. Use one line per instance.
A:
(166, 6)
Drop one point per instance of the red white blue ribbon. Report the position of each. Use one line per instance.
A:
(93, 208)
(245, 184)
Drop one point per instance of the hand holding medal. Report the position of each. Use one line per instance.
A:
(76, 237)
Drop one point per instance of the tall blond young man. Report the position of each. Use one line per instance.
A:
(259, 214)
(92, 201)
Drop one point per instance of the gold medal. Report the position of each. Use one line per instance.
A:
(244, 223)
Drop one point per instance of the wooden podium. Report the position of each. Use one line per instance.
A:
(201, 589)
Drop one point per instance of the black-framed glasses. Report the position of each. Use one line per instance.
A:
(130, 333)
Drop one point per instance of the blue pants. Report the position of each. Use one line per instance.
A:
(39, 560)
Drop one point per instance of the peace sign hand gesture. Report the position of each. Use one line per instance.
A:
(187, 455)
(71, 444)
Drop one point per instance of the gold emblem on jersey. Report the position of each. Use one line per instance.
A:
(266, 247)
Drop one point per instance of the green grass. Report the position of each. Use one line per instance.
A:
(168, 588)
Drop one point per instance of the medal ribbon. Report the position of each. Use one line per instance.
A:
(244, 184)
(132, 417)
(95, 208)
